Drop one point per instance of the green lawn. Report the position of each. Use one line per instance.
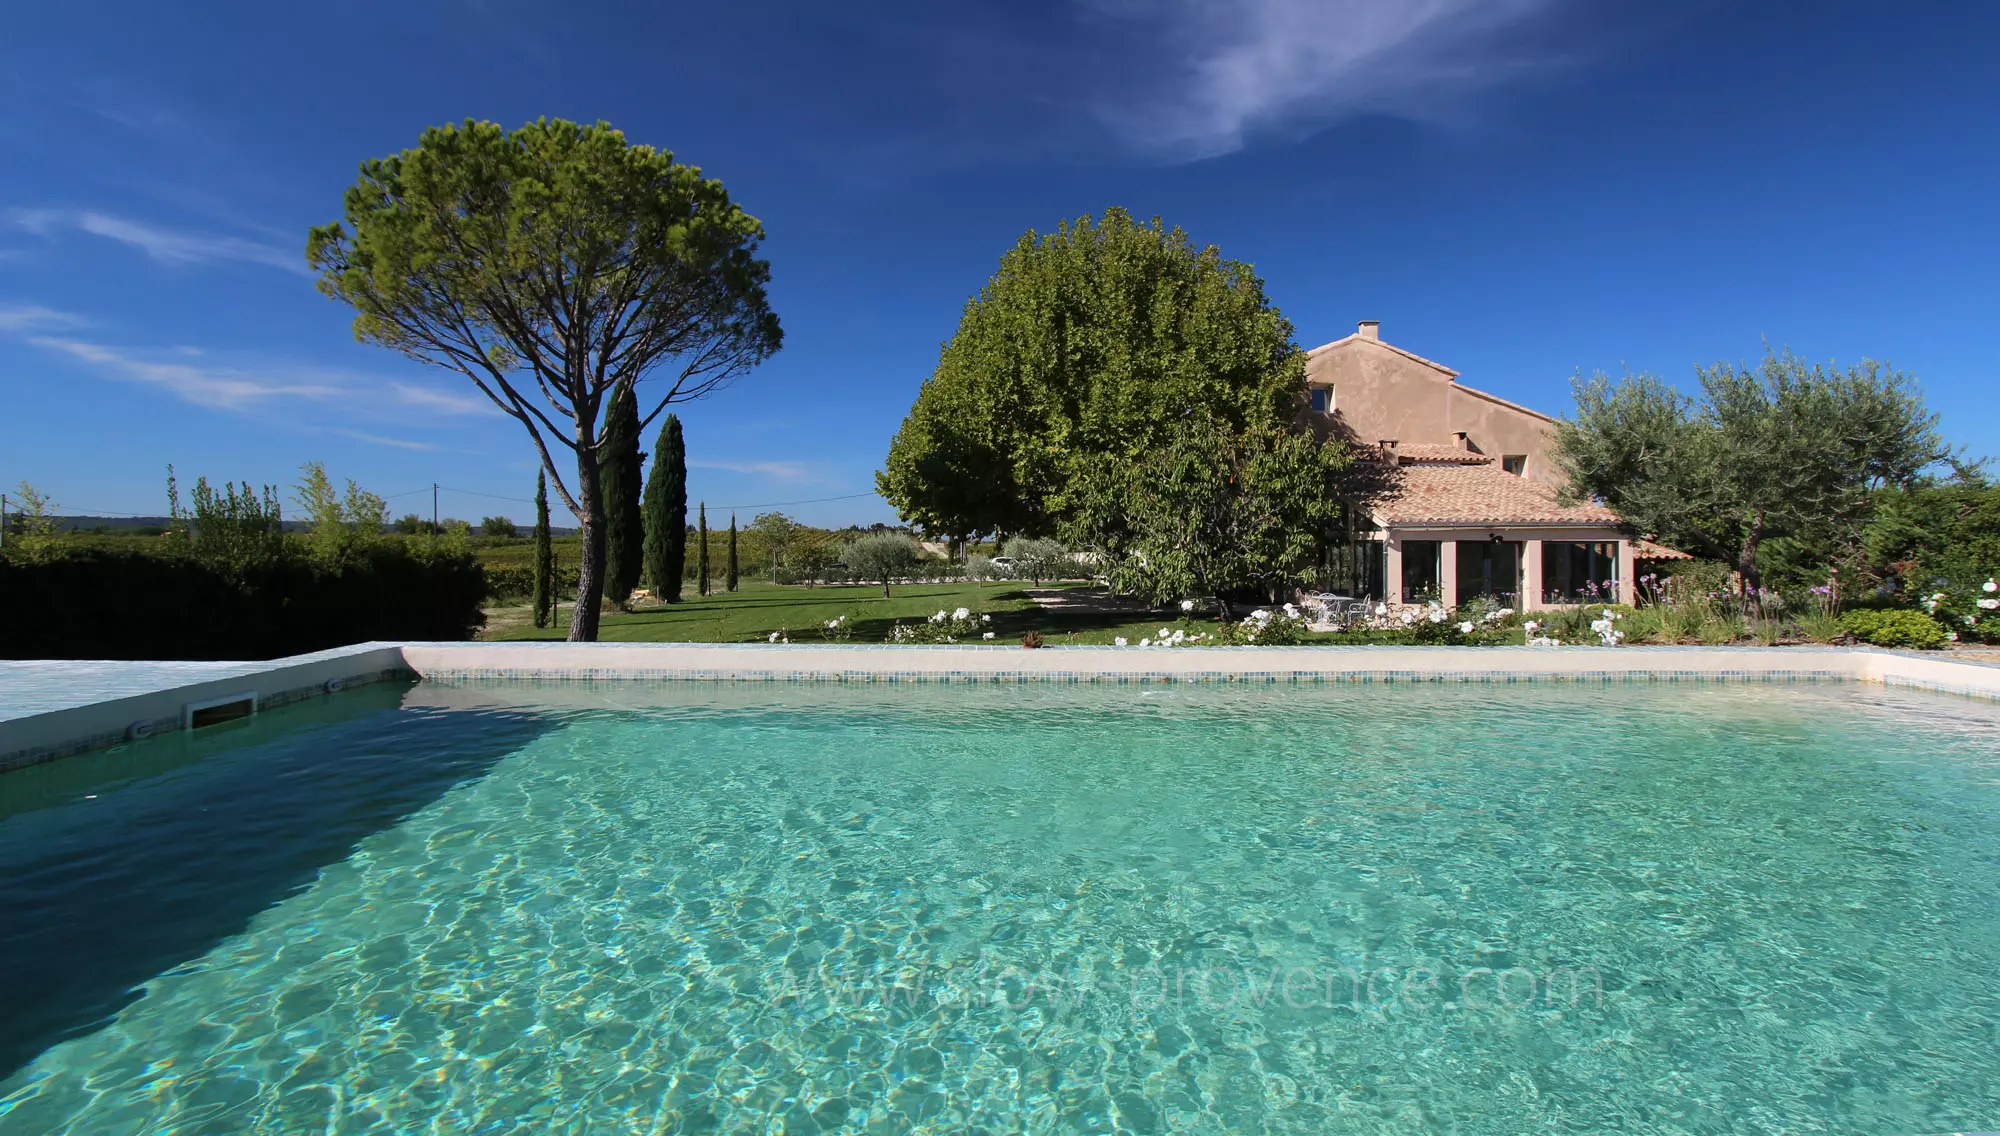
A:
(751, 613)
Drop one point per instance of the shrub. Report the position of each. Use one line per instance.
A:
(1647, 625)
(1680, 622)
(1681, 581)
(90, 604)
(1266, 628)
(1820, 627)
(1970, 611)
(1893, 628)
(1186, 633)
(944, 627)
(499, 528)
(1717, 630)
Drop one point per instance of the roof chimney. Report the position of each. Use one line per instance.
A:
(1388, 450)
(1369, 329)
(1464, 442)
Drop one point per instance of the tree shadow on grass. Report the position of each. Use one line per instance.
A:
(188, 838)
(1010, 626)
(708, 611)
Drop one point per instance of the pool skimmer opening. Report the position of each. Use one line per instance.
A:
(215, 711)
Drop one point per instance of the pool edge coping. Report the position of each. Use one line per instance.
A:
(81, 728)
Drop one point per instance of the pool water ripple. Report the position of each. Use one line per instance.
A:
(1052, 909)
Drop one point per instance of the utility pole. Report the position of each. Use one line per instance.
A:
(434, 508)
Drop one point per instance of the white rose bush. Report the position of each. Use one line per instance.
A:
(1968, 614)
(944, 627)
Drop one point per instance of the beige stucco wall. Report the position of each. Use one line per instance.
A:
(1380, 392)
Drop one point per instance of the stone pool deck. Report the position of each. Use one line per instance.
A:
(51, 709)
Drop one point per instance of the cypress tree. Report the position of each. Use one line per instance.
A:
(618, 482)
(667, 512)
(732, 552)
(545, 555)
(702, 568)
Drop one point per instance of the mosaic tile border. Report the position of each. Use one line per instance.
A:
(572, 676)
(680, 675)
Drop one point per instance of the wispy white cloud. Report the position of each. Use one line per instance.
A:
(33, 317)
(794, 472)
(1216, 73)
(223, 387)
(381, 440)
(168, 246)
(443, 402)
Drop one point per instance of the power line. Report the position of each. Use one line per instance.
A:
(807, 501)
(758, 505)
(494, 496)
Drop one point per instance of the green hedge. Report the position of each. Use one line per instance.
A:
(1894, 628)
(88, 604)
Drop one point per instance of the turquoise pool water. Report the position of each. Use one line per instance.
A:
(805, 909)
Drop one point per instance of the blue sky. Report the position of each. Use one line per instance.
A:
(1517, 188)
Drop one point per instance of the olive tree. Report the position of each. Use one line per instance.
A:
(881, 557)
(554, 266)
(1039, 558)
(1785, 449)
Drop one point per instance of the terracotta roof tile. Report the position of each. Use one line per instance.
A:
(1475, 494)
(1648, 550)
(1431, 452)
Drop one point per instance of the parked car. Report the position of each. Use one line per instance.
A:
(1005, 565)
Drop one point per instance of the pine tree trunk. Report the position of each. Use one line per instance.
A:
(583, 617)
(1746, 564)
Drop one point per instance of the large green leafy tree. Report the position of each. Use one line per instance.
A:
(1785, 450)
(666, 512)
(618, 474)
(1935, 533)
(1091, 345)
(553, 266)
(1213, 509)
(779, 533)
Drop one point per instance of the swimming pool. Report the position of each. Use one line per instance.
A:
(1061, 908)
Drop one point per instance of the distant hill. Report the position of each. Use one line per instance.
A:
(112, 524)
(157, 524)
